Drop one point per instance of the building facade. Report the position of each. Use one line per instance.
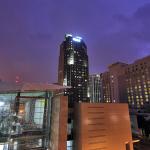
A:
(73, 68)
(113, 83)
(128, 83)
(106, 87)
(98, 127)
(32, 117)
(137, 77)
(73, 72)
(35, 116)
(95, 88)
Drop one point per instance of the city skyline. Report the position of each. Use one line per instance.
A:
(29, 39)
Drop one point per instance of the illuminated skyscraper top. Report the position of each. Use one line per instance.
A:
(73, 67)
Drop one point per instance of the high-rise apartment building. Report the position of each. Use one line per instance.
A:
(137, 77)
(73, 68)
(113, 83)
(117, 83)
(127, 83)
(95, 88)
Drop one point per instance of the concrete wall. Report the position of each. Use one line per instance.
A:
(58, 136)
(102, 127)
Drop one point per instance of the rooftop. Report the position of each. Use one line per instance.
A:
(27, 87)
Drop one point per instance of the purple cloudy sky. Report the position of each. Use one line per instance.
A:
(31, 31)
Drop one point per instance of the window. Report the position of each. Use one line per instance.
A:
(69, 145)
(39, 112)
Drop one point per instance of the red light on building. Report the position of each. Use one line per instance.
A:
(18, 79)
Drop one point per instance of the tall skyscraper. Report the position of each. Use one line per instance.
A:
(73, 71)
(95, 88)
(73, 67)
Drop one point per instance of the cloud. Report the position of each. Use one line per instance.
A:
(143, 12)
(126, 40)
(138, 24)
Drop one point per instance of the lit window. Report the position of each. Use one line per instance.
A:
(70, 60)
(77, 39)
(146, 93)
(69, 145)
(65, 81)
(139, 81)
(39, 112)
(146, 96)
(147, 100)
(112, 76)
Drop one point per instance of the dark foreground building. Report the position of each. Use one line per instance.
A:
(30, 117)
(35, 117)
(102, 126)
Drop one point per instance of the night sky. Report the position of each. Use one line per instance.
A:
(32, 30)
